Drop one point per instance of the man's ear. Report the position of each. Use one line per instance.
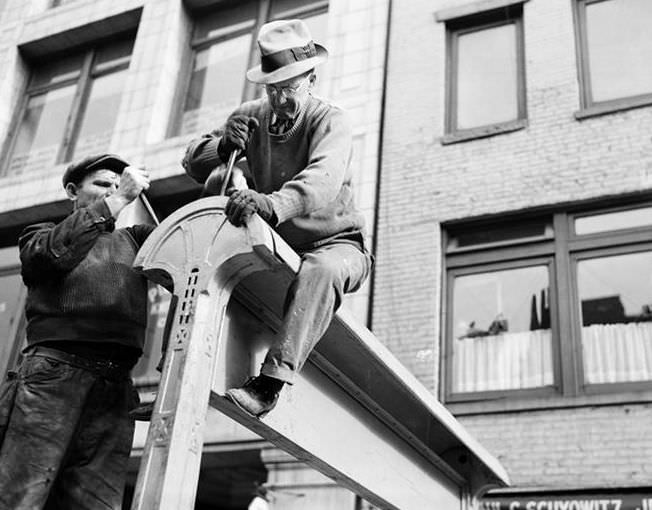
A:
(72, 191)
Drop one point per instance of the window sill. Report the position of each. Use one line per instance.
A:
(483, 132)
(512, 404)
(618, 105)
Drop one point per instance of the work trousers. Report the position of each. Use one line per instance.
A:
(67, 437)
(325, 275)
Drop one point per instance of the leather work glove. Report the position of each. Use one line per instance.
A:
(243, 203)
(237, 131)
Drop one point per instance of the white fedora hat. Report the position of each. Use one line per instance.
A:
(286, 50)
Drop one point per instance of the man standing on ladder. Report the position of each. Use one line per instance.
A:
(299, 150)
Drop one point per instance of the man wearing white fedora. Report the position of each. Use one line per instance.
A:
(299, 150)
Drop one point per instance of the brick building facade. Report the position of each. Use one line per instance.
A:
(468, 196)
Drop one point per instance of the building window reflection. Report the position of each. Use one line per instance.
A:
(557, 304)
(71, 108)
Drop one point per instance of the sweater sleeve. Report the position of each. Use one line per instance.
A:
(140, 232)
(48, 250)
(201, 156)
(320, 181)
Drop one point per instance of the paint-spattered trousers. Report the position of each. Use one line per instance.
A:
(325, 275)
(67, 439)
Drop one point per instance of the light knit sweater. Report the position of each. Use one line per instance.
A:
(306, 171)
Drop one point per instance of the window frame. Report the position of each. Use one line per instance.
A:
(564, 249)
(83, 82)
(588, 107)
(510, 14)
(499, 265)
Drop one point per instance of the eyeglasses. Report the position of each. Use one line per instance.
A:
(287, 91)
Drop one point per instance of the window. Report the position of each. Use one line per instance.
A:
(615, 53)
(555, 305)
(486, 74)
(70, 109)
(12, 301)
(223, 42)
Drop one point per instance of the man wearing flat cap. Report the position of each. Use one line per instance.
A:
(298, 149)
(64, 414)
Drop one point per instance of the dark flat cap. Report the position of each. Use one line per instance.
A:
(79, 169)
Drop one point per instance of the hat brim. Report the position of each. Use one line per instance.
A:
(108, 162)
(257, 75)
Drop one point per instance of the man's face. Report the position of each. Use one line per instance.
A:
(93, 187)
(287, 97)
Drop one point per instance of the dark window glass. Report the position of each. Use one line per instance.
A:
(12, 293)
(68, 68)
(216, 83)
(490, 234)
(101, 114)
(226, 20)
(71, 108)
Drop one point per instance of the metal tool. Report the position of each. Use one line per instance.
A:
(148, 207)
(229, 171)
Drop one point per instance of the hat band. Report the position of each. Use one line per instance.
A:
(274, 61)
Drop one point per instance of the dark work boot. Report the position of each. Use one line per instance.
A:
(258, 396)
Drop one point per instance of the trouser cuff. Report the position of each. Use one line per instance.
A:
(281, 373)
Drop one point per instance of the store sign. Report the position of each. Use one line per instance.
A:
(575, 502)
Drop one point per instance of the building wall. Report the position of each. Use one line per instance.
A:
(555, 159)
(353, 77)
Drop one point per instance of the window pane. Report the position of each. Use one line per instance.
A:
(281, 8)
(10, 312)
(113, 54)
(491, 234)
(618, 220)
(487, 77)
(145, 370)
(616, 308)
(501, 330)
(100, 114)
(216, 84)
(41, 131)
(223, 21)
(619, 48)
(64, 69)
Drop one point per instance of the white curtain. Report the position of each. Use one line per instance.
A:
(617, 352)
(507, 361)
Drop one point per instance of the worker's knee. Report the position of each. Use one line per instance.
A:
(323, 269)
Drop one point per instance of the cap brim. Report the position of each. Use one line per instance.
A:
(257, 75)
(108, 162)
